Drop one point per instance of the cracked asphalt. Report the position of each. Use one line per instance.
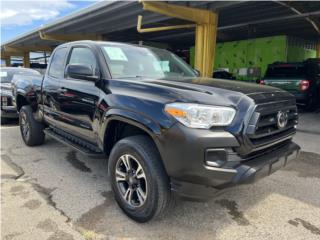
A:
(53, 192)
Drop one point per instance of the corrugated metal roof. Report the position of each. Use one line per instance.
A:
(117, 21)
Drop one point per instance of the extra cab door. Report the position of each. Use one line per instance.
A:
(78, 97)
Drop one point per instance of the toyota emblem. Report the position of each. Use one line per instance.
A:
(282, 119)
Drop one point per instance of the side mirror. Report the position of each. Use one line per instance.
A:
(79, 71)
(197, 72)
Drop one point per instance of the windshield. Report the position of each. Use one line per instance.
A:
(126, 61)
(287, 71)
(6, 75)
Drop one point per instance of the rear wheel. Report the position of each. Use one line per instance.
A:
(138, 179)
(31, 130)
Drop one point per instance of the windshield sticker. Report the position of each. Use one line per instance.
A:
(115, 53)
(3, 74)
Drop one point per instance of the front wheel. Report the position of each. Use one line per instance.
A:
(31, 130)
(138, 178)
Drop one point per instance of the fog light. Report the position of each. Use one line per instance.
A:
(215, 157)
(4, 101)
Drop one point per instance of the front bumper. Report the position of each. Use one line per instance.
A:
(246, 172)
(185, 161)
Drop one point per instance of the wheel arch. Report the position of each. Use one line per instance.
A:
(21, 101)
(118, 126)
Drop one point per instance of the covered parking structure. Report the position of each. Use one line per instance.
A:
(117, 21)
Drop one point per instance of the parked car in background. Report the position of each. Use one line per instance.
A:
(8, 110)
(223, 74)
(165, 130)
(302, 79)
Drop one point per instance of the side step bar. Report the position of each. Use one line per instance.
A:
(74, 142)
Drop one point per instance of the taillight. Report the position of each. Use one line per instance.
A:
(304, 85)
(262, 82)
(4, 101)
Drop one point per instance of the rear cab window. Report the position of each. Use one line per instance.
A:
(283, 71)
(56, 69)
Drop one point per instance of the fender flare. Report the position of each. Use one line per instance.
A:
(139, 120)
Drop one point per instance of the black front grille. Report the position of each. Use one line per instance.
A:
(263, 133)
(264, 123)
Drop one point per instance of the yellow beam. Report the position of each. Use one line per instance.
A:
(206, 30)
(186, 13)
(69, 37)
(29, 48)
(6, 54)
(157, 29)
(26, 59)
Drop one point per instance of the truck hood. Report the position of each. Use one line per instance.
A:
(232, 90)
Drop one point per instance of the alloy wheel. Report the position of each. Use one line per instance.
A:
(131, 180)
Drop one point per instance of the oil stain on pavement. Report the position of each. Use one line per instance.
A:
(75, 162)
(32, 204)
(50, 226)
(91, 219)
(309, 159)
(232, 207)
(312, 228)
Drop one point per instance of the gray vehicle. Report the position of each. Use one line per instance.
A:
(7, 75)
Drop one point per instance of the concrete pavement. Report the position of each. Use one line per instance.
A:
(285, 205)
(27, 210)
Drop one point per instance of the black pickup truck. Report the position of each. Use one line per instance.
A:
(165, 131)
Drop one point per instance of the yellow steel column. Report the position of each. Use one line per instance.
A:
(318, 49)
(206, 35)
(8, 61)
(206, 30)
(26, 59)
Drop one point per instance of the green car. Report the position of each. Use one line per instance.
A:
(302, 79)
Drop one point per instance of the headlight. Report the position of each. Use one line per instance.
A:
(200, 116)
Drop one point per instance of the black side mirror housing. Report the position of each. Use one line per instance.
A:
(81, 71)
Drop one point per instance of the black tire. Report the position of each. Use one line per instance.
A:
(158, 195)
(34, 135)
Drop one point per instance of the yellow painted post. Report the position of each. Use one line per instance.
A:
(8, 61)
(26, 59)
(318, 49)
(206, 35)
(206, 30)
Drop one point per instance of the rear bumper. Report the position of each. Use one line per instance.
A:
(247, 171)
(9, 112)
(301, 97)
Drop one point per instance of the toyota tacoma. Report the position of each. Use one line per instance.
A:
(165, 131)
